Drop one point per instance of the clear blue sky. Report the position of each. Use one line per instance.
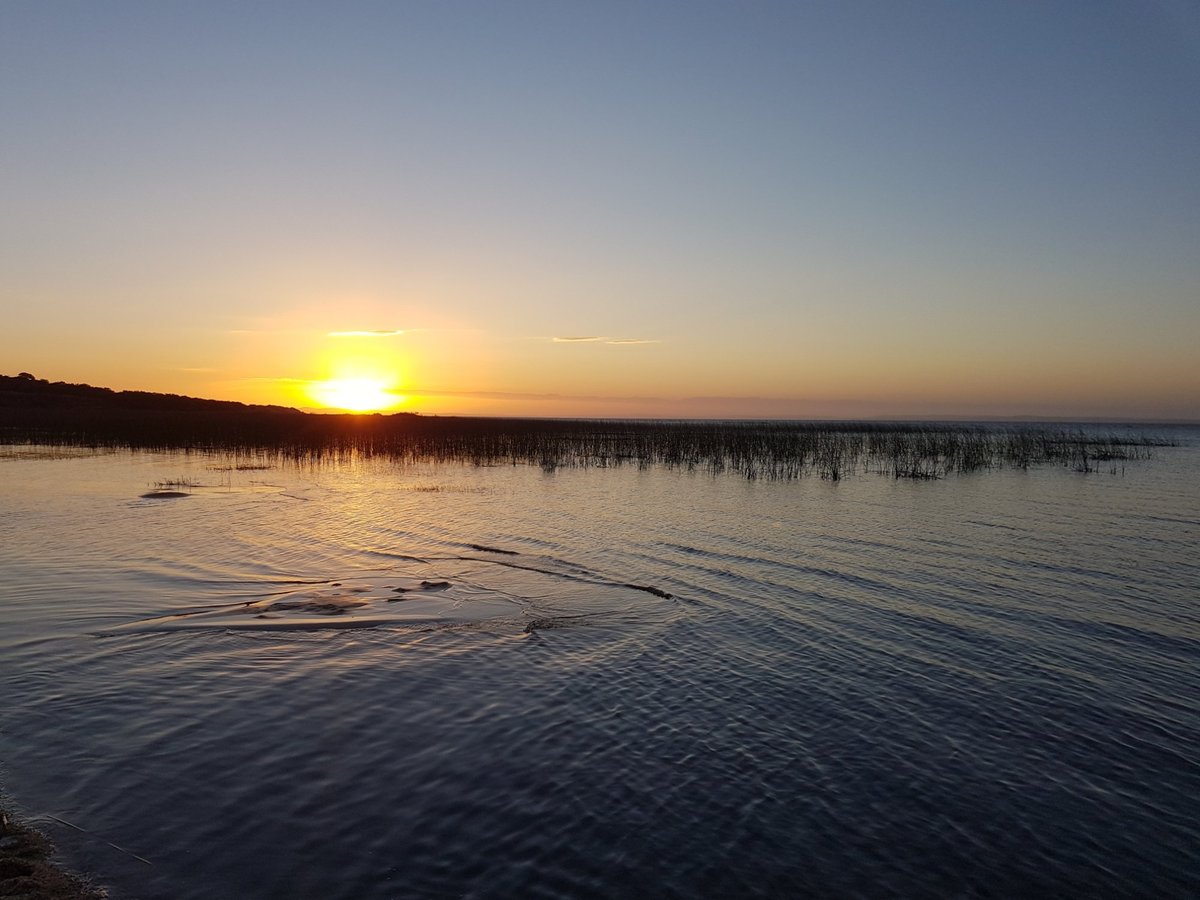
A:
(792, 209)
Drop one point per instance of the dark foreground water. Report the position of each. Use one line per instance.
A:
(327, 682)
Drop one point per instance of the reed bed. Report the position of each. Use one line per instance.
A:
(754, 450)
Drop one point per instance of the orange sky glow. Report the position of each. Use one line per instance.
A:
(792, 212)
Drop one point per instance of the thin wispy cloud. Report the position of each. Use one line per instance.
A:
(599, 339)
(378, 333)
(519, 395)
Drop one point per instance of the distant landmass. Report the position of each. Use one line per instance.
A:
(39, 412)
(25, 390)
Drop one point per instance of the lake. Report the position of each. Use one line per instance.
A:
(353, 678)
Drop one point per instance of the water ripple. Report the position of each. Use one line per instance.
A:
(971, 687)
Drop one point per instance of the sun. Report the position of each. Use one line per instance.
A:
(355, 394)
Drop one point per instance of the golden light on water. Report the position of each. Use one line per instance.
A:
(355, 394)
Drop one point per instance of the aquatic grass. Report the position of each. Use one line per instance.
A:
(176, 484)
(258, 439)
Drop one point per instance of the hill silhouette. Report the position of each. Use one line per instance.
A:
(25, 390)
(38, 411)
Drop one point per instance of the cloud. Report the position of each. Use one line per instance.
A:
(602, 340)
(516, 395)
(375, 333)
(378, 333)
(272, 379)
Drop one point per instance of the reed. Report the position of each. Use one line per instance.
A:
(258, 438)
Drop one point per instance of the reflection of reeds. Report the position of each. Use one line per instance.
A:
(767, 450)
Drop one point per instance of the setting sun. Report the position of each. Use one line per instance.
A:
(354, 394)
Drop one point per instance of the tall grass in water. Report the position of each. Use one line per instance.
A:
(767, 450)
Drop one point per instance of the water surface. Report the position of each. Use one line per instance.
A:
(364, 680)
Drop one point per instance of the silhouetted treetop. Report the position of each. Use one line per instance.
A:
(25, 390)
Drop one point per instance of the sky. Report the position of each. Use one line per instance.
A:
(660, 209)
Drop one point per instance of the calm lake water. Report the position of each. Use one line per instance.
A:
(326, 681)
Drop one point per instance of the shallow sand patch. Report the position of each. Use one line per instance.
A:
(26, 871)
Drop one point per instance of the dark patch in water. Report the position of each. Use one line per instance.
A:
(493, 550)
(581, 575)
(322, 605)
(164, 495)
(547, 622)
(657, 592)
(403, 556)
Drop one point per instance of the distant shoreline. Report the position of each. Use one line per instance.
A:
(24, 391)
(38, 412)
